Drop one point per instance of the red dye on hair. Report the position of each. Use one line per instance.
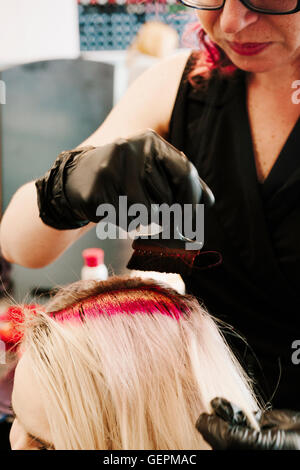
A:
(143, 301)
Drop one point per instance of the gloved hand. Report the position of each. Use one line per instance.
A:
(146, 169)
(227, 428)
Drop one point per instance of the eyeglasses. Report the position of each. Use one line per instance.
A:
(268, 7)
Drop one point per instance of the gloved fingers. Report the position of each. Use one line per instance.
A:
(156, 185)
(221, 435)
(214, 430)
(177, 170)
(229, 412)
(175, 162)
(227, 428)
(190, 189)
(292, 441)
(283, 419)
(208, 195)
(165, 164)
(274, 439)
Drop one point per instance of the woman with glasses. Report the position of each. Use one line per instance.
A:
(231, 108)
(238, 122)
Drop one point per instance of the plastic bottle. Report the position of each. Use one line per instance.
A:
(94, 267)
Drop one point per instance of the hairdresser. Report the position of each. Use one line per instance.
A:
(232, 110)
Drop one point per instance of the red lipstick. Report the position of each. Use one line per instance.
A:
(248, 48)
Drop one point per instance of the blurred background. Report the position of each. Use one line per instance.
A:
(63, 66)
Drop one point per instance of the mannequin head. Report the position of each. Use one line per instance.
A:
(121, 364)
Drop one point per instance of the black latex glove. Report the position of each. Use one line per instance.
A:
(146, 169)
(227, 428)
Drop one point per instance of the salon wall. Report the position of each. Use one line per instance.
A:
(113, 24)
(32, 30)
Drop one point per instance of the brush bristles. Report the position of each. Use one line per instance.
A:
(172, 261)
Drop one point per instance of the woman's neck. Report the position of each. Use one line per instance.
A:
(278, 80)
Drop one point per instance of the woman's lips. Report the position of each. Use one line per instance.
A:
(248, 48)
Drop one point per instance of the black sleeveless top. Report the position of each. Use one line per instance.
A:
(256, 228)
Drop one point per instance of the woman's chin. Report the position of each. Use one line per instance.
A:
(254, 65)
(263, 62)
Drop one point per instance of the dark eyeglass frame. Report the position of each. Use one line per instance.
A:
(246, 4)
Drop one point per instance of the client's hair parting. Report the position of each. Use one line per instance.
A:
(130, 364)
(142, 300)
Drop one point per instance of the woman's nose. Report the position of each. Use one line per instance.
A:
(235, 17)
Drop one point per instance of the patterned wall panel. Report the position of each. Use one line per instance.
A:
(112, 24)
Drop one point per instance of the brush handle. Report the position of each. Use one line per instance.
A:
(146, 169)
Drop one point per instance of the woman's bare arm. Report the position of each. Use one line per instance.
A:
(148, 103)
(25, 239)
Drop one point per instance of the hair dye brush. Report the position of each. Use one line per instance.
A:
(172, 254)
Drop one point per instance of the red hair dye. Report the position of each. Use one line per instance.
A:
(10, 322)
(140, 300)
(145, 300)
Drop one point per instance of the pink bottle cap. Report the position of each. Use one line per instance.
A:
(93, 256)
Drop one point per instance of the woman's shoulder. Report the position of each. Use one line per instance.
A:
(165, 75)
(162, 82)
(147, 104)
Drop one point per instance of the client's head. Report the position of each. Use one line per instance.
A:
(121, 364)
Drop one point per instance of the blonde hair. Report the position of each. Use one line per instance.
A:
(134, 379)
